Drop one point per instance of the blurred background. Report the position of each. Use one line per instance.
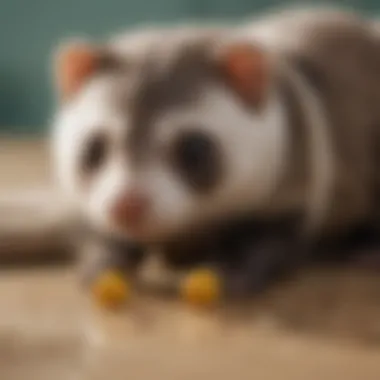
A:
(323, 325)
(29, 30)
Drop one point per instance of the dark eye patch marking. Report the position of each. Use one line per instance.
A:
(94, 154)
(160, 89)
(196, 157)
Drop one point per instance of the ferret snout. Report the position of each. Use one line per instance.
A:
(130, 209)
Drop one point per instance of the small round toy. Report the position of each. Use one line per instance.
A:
(201, 288)
(111, 290)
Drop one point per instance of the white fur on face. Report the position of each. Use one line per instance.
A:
(253, 150)
(94, 110)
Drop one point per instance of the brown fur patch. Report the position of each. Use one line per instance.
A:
(346, 57)
(340, 60)
(247, 71)
(76, 63)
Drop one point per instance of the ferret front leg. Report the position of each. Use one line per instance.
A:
(107, 269)
(195, 259)
(244, 265)
(259, 267)
(257, 254)
(262, 264)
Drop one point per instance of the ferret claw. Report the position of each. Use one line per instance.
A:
(201, 287)
(111, 290)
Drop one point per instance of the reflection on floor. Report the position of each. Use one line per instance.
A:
(322, 325)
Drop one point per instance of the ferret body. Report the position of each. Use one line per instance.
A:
(335, 56)
(262, 122)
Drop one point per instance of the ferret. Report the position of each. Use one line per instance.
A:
(200, 141)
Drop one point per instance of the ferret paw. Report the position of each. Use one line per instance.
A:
(201, 288)
(111, 290)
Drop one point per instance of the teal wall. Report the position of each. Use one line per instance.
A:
(29, 29)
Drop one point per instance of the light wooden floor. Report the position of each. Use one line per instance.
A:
(323, 325)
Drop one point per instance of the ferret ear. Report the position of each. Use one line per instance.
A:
(75, 63)
(246, 69)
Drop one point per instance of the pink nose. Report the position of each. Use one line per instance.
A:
(130, 209)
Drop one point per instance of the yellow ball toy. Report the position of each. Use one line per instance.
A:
(111, 290)
(201, 287)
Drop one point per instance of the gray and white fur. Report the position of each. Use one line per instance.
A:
(166, 127)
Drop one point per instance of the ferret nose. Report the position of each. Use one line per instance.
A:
(130, 209)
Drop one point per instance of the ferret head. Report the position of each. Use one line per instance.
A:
(189, 135)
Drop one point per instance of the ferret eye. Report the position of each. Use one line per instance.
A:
(95, 153)
(195, 156)
(193, 151)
